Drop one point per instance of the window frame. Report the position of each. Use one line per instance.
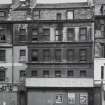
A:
(83, 35)
(70, 57)
(3, 55)
(22, 73)
(72, 11)
(58, 73)
(83, 57)
(83, 73)
(34, 72)
(34, 57)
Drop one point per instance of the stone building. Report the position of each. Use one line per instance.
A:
(8, 91)
(60, 55)
(99, 60)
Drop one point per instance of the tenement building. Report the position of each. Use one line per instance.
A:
(8, 90)
(99, 60)
(60, 55)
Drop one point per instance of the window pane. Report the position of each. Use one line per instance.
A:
(71, 98)
(83, 33)
(34, 55)
(2, 75)
(46, 73)
(83, 55)
(34, 73)
(57, 73)
(2, 55)
(46, 55)
(58, 55)
(58, 35)
(70, 34)
(70, 73)
(70, 55)
(58, 16)
(83, 73)
(70, 15)
(22, 52)
(2, 13)
(22, 73)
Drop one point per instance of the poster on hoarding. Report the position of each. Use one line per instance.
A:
(84, 98)
(71, 98)
(59, 98)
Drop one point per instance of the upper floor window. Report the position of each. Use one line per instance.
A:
(70, 54)
(58, 55)
(34, 55)
(46, 54)
(2, 55)
(22, 52)
(70, 73)
(46, 34)
(34, 34)
(2, 75)
(46, 73)
(70, 15)
(34, 73)
(21, 32)
(2, 13)
(57, 73)
(83, 73)
(83, 34)
(83, 54)
(70, 34)
(22, 73)
(58, 35)
(2, 36)
(58, 16)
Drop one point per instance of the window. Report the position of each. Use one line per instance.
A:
(102, 72)
(22, 52)
(58, 16)
(45, 36)
(83, 34)
(21, 32)
(57, 73)
(46, 55)
(2, 55)
(46, 73)
(2, 75)
(34, 34)
(34, 55)
(70, 73)
(83, 73)
(84, 98)
(70, 15)
(34, 73)
(58, 55)
(2, 13)
(70, 34)
(71, 98)
(22, 73)
(58, 35)
(83, 55)
(70, 55)
(2, 35)
(103, 30)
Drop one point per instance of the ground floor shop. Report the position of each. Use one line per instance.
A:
(58, 96)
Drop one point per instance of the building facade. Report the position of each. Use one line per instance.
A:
(60, 55)
(99, 61)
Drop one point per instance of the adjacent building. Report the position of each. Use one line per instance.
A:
(99, 60)
(60, 55)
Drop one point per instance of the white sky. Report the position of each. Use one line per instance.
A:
(45, 1)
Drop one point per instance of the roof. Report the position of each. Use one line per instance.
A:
(63, 5)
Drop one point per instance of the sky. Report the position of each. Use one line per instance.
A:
(45, 1)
